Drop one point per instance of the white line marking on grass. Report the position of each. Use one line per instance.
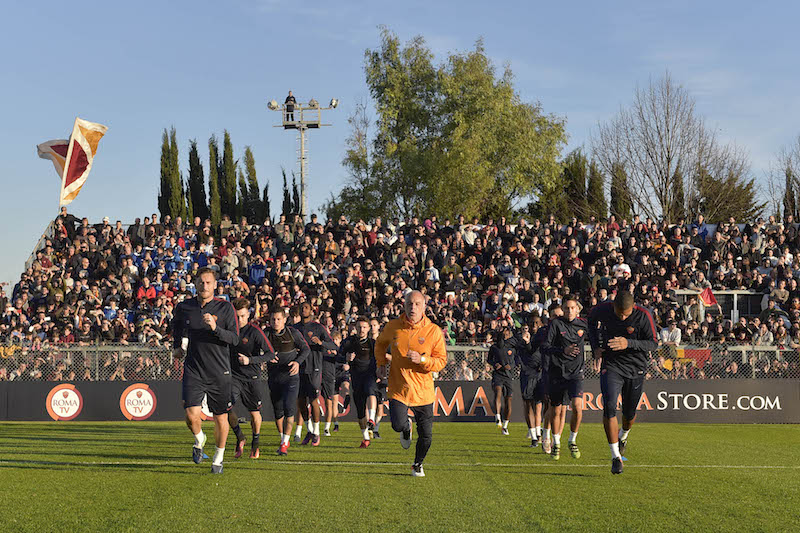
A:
(386, 463)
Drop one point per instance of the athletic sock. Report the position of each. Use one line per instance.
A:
(310, 426)
(198, 439)
(537, 432)
(285, 439)
(623, 434)
(615, 450)
(237, 429)
(371, 414)
(298, 431)
(505, 424)
(281, 439)
(254, 443)
(497, 417)
(547, 433)
(218, 453)
(530, 433)
(377, 426)
(365, 433)
(315, 428)
(327, 426)
(556, 439)
(573, 437)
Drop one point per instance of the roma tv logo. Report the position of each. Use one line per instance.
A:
(64, 402)
(137, 402)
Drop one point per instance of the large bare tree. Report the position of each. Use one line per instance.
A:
(659, 137)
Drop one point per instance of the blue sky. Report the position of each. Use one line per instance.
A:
(207, 66)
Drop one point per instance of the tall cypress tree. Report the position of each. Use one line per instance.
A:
(177, 200)
(189, 204)
(244, 203)
(677, 206)
(164, 192)
(265, 207)
(255, 207)
(197, 183)
(621, 199)
(215, 201)
(227, 177)
(286, 208)
(595, 193)
(789, 197)
(295, 197)
(574, 179)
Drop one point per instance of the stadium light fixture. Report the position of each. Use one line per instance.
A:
(334, 103)
(272, 105)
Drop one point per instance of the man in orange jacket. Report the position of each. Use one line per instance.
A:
(418, 349)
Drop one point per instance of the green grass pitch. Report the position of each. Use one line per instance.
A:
(139, 477)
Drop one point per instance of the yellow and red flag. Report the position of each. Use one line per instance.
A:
(73, 158)
(707, 297)
(55, 151)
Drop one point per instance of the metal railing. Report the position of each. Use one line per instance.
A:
(136, 362)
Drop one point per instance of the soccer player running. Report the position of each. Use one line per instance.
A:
(418, 349)
(246, 359)
(503, 358)
(383, 383)
(359, 351)
(530, 374)
(318, 338)
(205, 329)
(564, 345)
(621, 335)
(543, 411)
(284, 373)
(329, 381)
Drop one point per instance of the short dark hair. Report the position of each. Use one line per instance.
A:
(205, 270)
(241, 303)
(277, 310)
(623, 300)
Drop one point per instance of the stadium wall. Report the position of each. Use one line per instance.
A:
(708, 401)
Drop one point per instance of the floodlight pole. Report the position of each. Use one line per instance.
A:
(310, 116)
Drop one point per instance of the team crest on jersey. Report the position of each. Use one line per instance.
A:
(630, 329)
(244, 340)
(580, 333)
(509, 352)
(421, 340)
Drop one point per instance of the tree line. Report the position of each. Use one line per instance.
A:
(456, 138)
(233, 187)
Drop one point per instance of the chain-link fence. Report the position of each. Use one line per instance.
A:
(142, 362)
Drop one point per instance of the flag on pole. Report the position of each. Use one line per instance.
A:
(707, 297)
(80, 153)
(55, 151)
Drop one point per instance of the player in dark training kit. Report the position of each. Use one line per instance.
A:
(543, 411)
(284, 373)
(530, 373)
(359, 351)
(205, 329)
(565, 345)
(503, 358)
(330, 363)
(246, 359)
(621, 334)
(318, 338)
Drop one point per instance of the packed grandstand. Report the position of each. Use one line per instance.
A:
(113, 287)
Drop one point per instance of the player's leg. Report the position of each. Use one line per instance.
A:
(233, 417)
(313, 392)
(632, 389)
(498, 398)
(360, 400)
(507, 397)
(251, 400)
(329, 395)
(302, 408)
(192, 390)
(398, 416)
(275, 392)
(610, 388)
(219, 403)
(423, 414)
(559, 399)
(290, 391)
(576, 400)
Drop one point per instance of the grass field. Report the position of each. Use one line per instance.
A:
(139, 477)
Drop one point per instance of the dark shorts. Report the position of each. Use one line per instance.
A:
(283, 390)
(504, 382)
(342, 376)
(382, 392)
(328, 387)
(364, 386)
(612, 385)
(246, 392)
(217, 391)
(561, 390)
(528, 385)
(310, 385)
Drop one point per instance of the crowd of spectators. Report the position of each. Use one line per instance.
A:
(108, 283)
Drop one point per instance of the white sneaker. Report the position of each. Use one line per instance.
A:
(505, 431)
(499, 424)
(417, 471)
(546, 445)
(327, 432)
(406, 442)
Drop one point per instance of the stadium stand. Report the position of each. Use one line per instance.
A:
(96, 300)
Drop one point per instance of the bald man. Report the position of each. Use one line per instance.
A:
(418, 350)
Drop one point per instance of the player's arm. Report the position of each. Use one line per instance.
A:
(493, 357)
(303, 350)
(263, 347)
(433, 357)
(227, 329)
(647, 340)
(594, 337)
(381, 344)
(549, 346)
(177, 326)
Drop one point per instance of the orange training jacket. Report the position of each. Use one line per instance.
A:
(409, 383)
